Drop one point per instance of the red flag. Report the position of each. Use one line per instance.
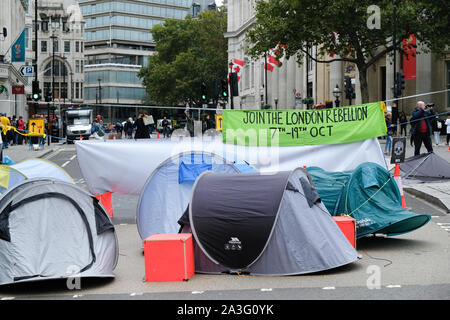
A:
(409, 58)
(268, 66)
(239, 62)
(273, 60)
(237, 69)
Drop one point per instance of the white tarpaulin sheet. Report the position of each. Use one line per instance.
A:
(123, 166)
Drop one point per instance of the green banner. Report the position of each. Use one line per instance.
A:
(303, 127)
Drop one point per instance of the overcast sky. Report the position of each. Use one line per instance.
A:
(219, 2)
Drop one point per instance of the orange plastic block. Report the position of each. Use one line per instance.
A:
(169, 257)
(106, 201)
(348, 228)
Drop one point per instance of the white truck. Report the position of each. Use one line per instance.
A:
(79, 123)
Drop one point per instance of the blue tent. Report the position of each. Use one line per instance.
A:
(370, 195)
(167, 191)
(40, 168)
(9, 177)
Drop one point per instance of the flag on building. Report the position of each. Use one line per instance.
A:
(18, 49)
(409, 58)
(239, 62)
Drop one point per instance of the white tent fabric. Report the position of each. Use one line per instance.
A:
(50, 229)
(40, 168)
(123, 166)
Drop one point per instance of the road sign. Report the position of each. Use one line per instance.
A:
(18, 89)
(219, 119)
(36, 126)
(398, 150)
(27, 71)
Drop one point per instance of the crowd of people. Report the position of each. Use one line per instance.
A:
(424, 124)
(144, 125)
(12, 137)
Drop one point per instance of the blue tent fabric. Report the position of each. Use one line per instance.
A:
(189, 172)
(370, 195)
(40, 168)
(167, 192)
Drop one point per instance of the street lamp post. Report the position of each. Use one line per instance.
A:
(337, 94)
(53, 37)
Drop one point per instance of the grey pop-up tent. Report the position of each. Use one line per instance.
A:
(263, 225)
(426, 167)
(50, 229)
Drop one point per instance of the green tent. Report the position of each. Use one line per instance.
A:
(370, 195)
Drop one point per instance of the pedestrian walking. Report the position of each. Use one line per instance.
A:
(403, 122)
(421, 127)
(119, 129)
(390, 132)
(447, 123)
(142, 131)
(436, 124)
(4, 121)
(165, 127)
(128, 128)
(97, 131)
(21, 129)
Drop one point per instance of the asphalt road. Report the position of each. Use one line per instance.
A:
(413, 267)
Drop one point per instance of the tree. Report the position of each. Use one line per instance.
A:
(343, 27)
(188, 53)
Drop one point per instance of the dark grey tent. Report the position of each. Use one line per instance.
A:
(51, 229)
(263, 225)
(427, 167)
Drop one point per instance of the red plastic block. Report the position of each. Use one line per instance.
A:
(106, 201)
(169, 257)
(348, 228)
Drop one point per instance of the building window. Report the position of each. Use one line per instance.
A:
(77, 46)
(45, 25)
(33, 45)
(77, 90)
(27, 37)
(56, 45)
(77, 66)
(66, 46)
(43, 46)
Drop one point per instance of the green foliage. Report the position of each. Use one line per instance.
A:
(302, 23)
(188, 52)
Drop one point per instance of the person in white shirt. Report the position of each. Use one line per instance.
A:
(447, 123)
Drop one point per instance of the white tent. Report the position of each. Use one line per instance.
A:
(123, 166)
(51, 229)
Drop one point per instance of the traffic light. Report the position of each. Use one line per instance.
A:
(224, 89)
(399, 85)
(48, 96)
(234, 87)
(204, 91)
(36, 91)
(348, 88)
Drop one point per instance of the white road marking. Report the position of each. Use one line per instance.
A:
(197, 292)
(8, 298)
(329, 288)
(136, 294)
(73, 157)
(266, 289)
(65, 164)
(393, 286)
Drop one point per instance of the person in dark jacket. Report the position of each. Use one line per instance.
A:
(128, 128)
(141, 129)
(421, 127)
(403, 123)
